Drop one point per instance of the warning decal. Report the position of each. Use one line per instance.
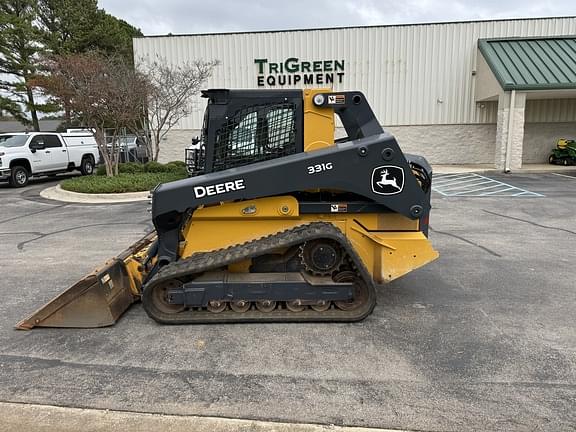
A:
(338, 208)
(336, 99)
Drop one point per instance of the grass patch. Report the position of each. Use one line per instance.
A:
(148, 167)
(137, 182)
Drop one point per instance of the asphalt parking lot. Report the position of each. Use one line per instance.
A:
(482, 339)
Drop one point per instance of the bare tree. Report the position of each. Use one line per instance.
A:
(169, 99)
(101, 92)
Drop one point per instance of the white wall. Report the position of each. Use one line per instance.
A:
(448, 144)
(174, 145)
(541, 138)
(412, 74)
(418, 78)
(546, 122)
(440, 144)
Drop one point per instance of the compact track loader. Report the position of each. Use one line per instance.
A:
(278, 222)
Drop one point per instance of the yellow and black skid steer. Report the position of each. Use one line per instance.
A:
(278, 221)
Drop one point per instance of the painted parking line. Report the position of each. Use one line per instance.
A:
(476, 185)
(442, 181)
(484, 188)
(467, 185)
(565, 175)
(459, 181)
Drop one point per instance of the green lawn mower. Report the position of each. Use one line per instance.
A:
(564, 153)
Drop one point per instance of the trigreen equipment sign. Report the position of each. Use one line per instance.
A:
(294, 71)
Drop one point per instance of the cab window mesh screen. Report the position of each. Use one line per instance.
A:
(255, 134)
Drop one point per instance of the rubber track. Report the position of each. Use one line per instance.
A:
(205, 261)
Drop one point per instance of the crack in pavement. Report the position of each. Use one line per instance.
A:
(37, 233)
(34, 213)
(20, 246)
(485, 249)
(530, 222)
(37, 362)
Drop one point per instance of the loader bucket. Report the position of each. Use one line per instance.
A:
(98, 299)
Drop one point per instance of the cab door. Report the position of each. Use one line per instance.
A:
(48, 153)
(40, 159)
(58, 152)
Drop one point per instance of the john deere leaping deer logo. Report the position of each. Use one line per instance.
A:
(387, 180)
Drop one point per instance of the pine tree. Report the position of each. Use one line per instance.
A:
(19, 55)
(78, 26)
(66, 24)
(33, 30)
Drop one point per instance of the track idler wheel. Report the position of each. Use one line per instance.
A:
(321, 257)
(240, 306)
(360, 291)
(216, 306)
(321, 306)
(160, 297)
(266, 305)
(295, 306)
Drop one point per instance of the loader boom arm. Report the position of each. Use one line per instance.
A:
(353, 166)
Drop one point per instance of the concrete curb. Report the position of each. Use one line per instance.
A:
(460, 169)
(46, 418)
(559, 169)
(59, 194)
(489, 169)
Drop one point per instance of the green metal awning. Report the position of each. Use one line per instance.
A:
(532, 63)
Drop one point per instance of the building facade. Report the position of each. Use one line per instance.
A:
(429, 84)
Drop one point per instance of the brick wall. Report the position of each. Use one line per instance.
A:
(440, 144)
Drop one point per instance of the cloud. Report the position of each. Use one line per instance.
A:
(194, 16)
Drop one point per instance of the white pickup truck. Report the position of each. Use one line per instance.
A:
(23, 155)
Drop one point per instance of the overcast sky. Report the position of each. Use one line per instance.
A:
(194, 16)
